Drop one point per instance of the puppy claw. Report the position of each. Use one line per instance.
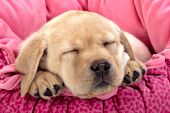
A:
(48, 92)
(135, 75)
(143, 72)
(56, 88)
(63, 84)
(37, 94)
(127, 79)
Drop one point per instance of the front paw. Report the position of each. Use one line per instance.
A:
(134, 71)
(46, 85)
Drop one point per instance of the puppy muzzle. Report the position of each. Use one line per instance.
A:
(101, 71)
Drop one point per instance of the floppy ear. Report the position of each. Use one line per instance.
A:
(28, 59)
(127, 46)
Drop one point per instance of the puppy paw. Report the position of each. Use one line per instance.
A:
(134, 71)
(46, 85)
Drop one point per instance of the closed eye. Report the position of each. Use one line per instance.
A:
(108, 43)
(72, 51)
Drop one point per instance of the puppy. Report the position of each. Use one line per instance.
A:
(85, 51)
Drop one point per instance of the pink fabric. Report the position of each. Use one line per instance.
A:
(146, 19)
(16, 23)
(151, 95)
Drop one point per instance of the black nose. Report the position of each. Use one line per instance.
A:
(100, 67)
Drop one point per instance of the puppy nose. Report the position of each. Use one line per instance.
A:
(100, 67)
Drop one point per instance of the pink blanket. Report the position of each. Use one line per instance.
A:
(146, 19)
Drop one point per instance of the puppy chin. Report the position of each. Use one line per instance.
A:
(102, 90)
(97, 92)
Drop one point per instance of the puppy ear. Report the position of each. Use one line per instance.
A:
(28, 59)
(127, 46)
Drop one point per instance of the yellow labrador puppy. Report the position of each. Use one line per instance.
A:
(83, 50)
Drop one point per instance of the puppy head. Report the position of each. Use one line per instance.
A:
(85, 49)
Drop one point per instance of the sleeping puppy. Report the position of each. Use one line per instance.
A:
(85, 51)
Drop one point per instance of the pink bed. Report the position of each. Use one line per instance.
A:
(146, 19)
